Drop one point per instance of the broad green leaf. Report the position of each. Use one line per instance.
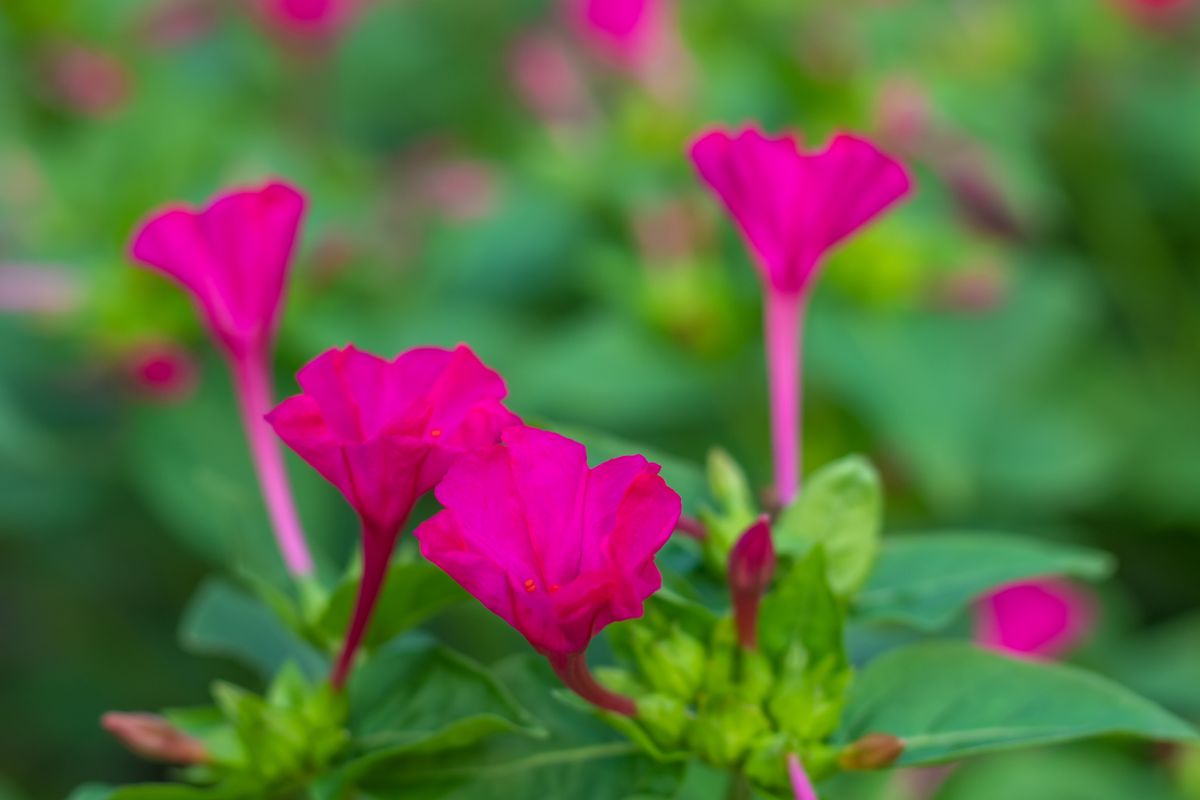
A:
(1065, 773)
(948, 700)
(926, 580)
(840, 508)
(222, 620)
(417, 697)
(1162, 663)
(581, 756)
(413, 593)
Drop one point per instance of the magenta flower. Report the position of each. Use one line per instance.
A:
(319, 20)
(1034, 619)
(792, 208)
(162, 370)
(751, 567)
(384, 433)
(554, 548)
(233, 257)
(622, 30)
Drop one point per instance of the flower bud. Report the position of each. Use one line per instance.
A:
(673, 664)
(665, 718)
(152, 737)
(873, 751)
(725, 728)
(751, 567)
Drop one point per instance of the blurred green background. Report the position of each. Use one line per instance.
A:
(1018, 348)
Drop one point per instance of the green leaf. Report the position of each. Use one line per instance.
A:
(948, 700)
(581, 757)
(415, 697)
(926, 580)
(1067, 773)
(414, 592)
(222, 620)
(840, 509)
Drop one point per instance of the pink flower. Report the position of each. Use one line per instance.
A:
(38, 289)
(792, 208)
(233, 257)
(554, 548)
(751, 567)
(623, 30)
(384, 433)
(308, 19)
(163, 370)
(88, 81)
(1035, 619)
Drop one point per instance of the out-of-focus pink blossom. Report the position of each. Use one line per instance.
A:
(546, 78)
(86, 80)
(384, 433)
(38, 289)
(162, 370)
(554, 548)
(974, 290)
(1041, 619)
(174, 23)
(313, 20)
(792, 208)
(233, 257)
(461, 189)
(623, 30)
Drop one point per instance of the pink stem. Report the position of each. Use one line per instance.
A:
(782, 319)
(801, 785)
(377, 554)
(252, 382)
(572, 670)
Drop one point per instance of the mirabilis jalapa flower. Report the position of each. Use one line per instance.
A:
(1039, 619)
(233, 257)
(554, 548)
(792, 208)
(384, 433)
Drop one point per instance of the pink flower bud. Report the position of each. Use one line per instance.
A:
(152, 737)
(312, 20)
(751, 567)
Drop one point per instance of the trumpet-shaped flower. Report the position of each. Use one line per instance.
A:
(792, 208)
(1034, 619)
(384, 433)
(554, 548)
(233, 258)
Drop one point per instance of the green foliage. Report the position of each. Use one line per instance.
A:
(925, 581)
(948, 700)
(840, 509)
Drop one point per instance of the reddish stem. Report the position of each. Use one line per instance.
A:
(745, 615)
(252, 384)
(377, 554)
(690, 526)
(572, 670)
